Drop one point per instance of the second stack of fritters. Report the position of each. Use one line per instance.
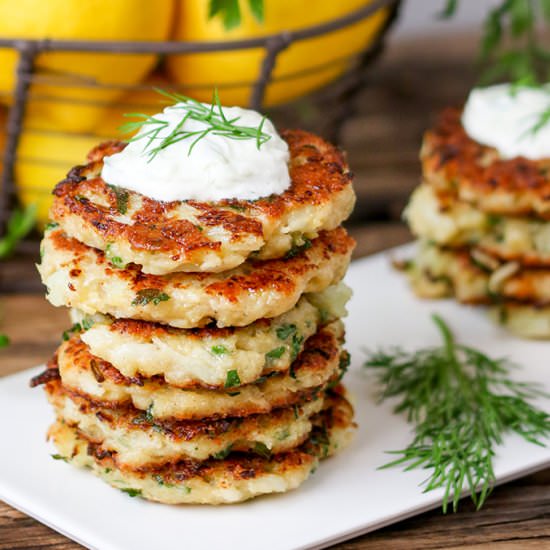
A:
(484, 228)
(205, 360)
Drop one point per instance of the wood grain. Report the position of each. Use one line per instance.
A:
(403, 92)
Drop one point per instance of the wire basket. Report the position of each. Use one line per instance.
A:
(341, 94)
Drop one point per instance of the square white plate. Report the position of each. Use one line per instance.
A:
(347, 495)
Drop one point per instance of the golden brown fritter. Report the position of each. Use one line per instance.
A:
(189, 358)
(165, 237)
(438, 216)
(81, 277)
(320, 362)
(475, 277)
(452, 161)
(235, 478)
(142, 443)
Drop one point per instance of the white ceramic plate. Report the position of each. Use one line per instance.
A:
(347, 495)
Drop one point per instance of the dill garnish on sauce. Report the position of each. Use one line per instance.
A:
(212, 116)
(461, 403)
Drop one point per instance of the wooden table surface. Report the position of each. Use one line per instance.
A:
(411, 83)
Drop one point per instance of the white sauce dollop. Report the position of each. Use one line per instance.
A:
(503, 118)
(217, 168)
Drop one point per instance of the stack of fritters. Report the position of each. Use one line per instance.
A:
(484, 228)
(205, 360)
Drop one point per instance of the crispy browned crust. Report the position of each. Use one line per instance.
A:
(452, 161)
(321, 348)
(254, 277)
(317, 169)
(338, 414)
(129, 418)
(321, 359)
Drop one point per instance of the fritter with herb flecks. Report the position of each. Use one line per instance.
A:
(165, 237)
(188, 358)
(232, 479)
(318, 365)
(80, 276)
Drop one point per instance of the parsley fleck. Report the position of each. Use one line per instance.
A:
(276, 353)
(86, 323)
(284, 331)
(284, 434)
(219, 350)
(59, 457)
(296, 345)
(117, 261)
(232, 379)
(51, 225)
(223, 453)
(160, 480)
(298, 248)
(121, 198)
(149, 413)
(69, 332)
(148, 295)
(237, 207)
(132, 492)
(262, 449)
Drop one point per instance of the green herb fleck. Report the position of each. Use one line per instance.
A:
(262, 449)
(232, 379)
(298, 247)
(284, 434)
(296, 346)
(160, 480)
(149, 413)
(219, 350)
(276, 353)
(69, 332)
(284, 331)
(223, 453)
(122, 197)
(149, 295)
(86, 323)
(345, 360)
(132, 492)
(51, 225)
(59, 457)
(117, 261)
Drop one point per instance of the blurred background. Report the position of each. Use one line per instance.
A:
(366, 74)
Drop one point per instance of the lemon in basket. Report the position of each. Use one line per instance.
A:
(302, 68)
(65, 95)
(43, 159)
(144, 99)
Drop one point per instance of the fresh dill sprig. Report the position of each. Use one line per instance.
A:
(511, 47)
(212, 116)
(461, 403)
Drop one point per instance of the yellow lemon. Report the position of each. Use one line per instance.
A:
(43, 159)
(64, 97)
(303, 67)
(3, 120)
(142, 100)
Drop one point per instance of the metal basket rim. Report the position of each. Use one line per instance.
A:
(184, 46)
